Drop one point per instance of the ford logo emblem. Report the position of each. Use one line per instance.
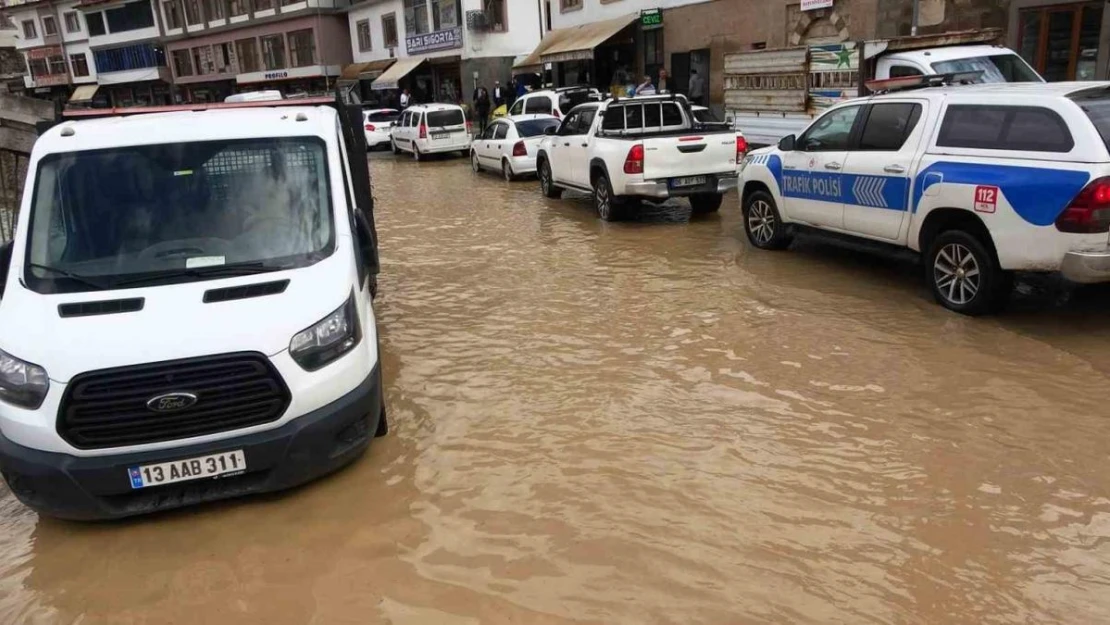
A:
(171, 402)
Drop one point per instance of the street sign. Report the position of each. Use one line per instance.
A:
(651, 18)
(812, 5)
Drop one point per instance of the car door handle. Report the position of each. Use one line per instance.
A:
(585, 145)
(833, 166)
(894, 169)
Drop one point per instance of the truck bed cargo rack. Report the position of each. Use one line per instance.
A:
(909, 83)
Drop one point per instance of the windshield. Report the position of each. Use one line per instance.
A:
(177, 212)
(438, 119)
(535, 127)
(995, 68)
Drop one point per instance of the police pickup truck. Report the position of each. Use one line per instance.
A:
(982, 180)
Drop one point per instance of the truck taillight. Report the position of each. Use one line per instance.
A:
(369, 127)
(1089, 212)
(741, 148)
(519, 149)
(423, 131)
(634, 163)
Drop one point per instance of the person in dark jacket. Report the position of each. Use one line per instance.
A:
(481, 106)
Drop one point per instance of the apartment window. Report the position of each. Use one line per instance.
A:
(247, 52)
(273, 51)
(302, 48)
(496, 16)
(214, 9)
(182, 63)
(389, 30)
(95, 22)
(1061, 41)
(202, 60)
(221, 57)
(263, 5)
(192, 12)
(57, 64)
(416, 17)
(362, 29)
(138, 56)
(73, 23)
(38, 67)
(29, 31)
(131, 16)
(49, 26)
(446, 14)
(172, 10)
(79, 64)
(567, 5)
(238, 7)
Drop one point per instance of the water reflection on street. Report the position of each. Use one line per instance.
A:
(647, 422)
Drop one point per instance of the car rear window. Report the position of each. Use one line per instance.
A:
(1023, 128)
(1096, 104)
(386, 116)
(535, 127)
(538, 104)
(438, 119)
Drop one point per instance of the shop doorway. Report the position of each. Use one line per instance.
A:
(683, 65)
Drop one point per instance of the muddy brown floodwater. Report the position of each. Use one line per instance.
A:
(647, 422)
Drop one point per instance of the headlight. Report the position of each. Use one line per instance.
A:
(330, 338)
(21, 383)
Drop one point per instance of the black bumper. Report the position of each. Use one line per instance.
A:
(310, 446)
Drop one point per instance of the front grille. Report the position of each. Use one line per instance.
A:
(108, 408)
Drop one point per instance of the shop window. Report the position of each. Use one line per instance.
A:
(49, 26)
(567, 5)
(446, 13)
(73, 22)
(131, 16)
(1061, 41)
(95, 22)
(192, 12)
(496, 16)
(214, 10)
(416, 17)
(273, 52)
(389, 30)
(246, 50)
(79, 65)
(172, 10)
(38, 67)
(238, 7)
(182, 63)
(302, 48)
(362, 29)
(29, 31)
(57, 64)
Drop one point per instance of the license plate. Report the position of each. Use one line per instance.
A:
(689, 181)
(215, 465)
(440, 136)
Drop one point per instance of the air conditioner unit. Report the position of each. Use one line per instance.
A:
(476, 20)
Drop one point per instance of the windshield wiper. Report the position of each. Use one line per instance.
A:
(76, 277)
(223, 271)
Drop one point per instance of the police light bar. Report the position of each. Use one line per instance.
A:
(919, 82)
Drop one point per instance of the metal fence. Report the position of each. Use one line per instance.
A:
(13, 173)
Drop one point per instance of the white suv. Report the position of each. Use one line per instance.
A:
(982, 180)
(431, 129)
(555, 102)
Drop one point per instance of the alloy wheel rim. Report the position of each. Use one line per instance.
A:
(761, 222)
(602, 196)
(956, 274)
(506, 171)
(545, 178)
(474, 162)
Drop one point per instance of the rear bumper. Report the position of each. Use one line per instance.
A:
(660, 189)
(1086, 267)
(434, 148)
(523, 164)
(96, 488)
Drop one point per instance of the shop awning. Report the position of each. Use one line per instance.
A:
(84, 93)
(370, 69)
(533, 63)
(397, 71)
(579, 43)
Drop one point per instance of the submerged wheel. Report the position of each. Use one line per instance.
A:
(703, 203)
(416, 153)
(507, 171)
(964, 274)
(393, 144)
(547, 184)
(762, 222)
(475, 164)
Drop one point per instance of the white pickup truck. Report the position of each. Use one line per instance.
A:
(648, 147)
(982, 180)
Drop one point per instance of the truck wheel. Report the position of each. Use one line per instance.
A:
(547, 184)
(762, 223)
(607, 206)
(704, 203)
(965, 276)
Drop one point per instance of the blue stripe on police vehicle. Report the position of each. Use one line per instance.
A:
(889, 192)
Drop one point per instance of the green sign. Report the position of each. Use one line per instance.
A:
(651, 17)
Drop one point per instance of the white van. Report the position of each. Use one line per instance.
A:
(200, 328)
(431, 129)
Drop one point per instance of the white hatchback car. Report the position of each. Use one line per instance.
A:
(431, 129)
(554, 101)
(377, 124)
(510, 144)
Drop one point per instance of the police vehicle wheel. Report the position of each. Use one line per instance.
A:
(704, 203)
(475, 165)
(607, 206)
(762, 223)
(964, 274)
(547, 183)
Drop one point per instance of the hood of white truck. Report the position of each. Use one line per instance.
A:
(174, 322)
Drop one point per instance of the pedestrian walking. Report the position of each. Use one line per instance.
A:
(481, 106)
(406, 99)
(498, 94)
(697, 87)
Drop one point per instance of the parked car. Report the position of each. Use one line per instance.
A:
(981, 180)
(510, 144)
(207, 315)
(254, 96)
(553, 101)
(377, 124)
(648, 147)
(431, 129)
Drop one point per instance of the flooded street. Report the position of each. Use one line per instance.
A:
(647, 422)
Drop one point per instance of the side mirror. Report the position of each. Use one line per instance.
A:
(786, 144)
(5, 265)
(551, 131)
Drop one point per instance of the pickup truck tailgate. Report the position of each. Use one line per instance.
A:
(689, 155)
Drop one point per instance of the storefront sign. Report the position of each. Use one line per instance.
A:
(276, 75)
(430, 42)
(651, 18)
(812, 5)
(311, 71)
